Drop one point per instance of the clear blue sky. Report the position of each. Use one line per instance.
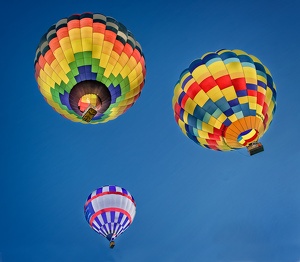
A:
(193, 204)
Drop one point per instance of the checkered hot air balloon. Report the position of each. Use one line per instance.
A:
(225, 101)
(110, 210)
(89, 68)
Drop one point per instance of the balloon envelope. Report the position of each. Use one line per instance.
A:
(89, 59)
(110, 210)
(225, 100)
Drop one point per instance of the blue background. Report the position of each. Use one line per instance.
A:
(193, 204)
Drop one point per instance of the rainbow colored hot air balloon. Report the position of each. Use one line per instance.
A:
(110, 210)
(89, 68)
(225, 101)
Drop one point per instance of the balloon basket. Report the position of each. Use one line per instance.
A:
(89, 113)
(255, 148)
(112, 244)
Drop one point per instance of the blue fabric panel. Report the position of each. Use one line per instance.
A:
(245, 109)
(233, 102)
(181, 97)
(228, 112)
(199, 112)
(241, 93)
(227, 122)
(222, 103)
(112, 189)
(196, 63)
(192, 121)
(251, 86)
(186, 80)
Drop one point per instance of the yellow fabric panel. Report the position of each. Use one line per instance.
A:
(86, 32)
(262, 79)
(132, 93)
(104, 60)
(108, 69)
(140, 79)
(232, 118)
(250, 73)
(59, 71)
(63, 76)
(261, 90)
(200, 73)
(255, 59)
(50, 82)
(107, 47)
(123, 59)
(259, 109)
(76, 46)
(203, 134)
(134, 83)
(177, 91)
(48, 70)
(96, 52)
(43, 75)
(190, 106)
(252, 99)
(220, 73)
(64, 65)
(229, 93)
(201, 98)
(98, 38)
(69, 55)
(132, 63)
(45, 89)
(214, 122)
(182, 126)
(217, 67)
(132, 75)
(207, 128)
(243, 99)
(56, 78)
(126, 102)
(115, 56)
(215, 93)
(202, 141)
(126, 70)
(87, 44)
(237, 75)
(239, 52)
(234, 67)
(65, 43)
(117, 69)
(185, 116)
(188, 84)
(222, 118)
(59, 55)
(252, 106)
(74, 34)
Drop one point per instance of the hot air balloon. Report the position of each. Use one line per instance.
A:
(110, 210)
(89, 68)
(225, 101)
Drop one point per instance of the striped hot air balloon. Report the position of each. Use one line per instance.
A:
(225, 101)
(89, 68)
(110, 210)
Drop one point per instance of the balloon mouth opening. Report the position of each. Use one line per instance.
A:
(248, 137)
(89, 93)
(87, 100)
